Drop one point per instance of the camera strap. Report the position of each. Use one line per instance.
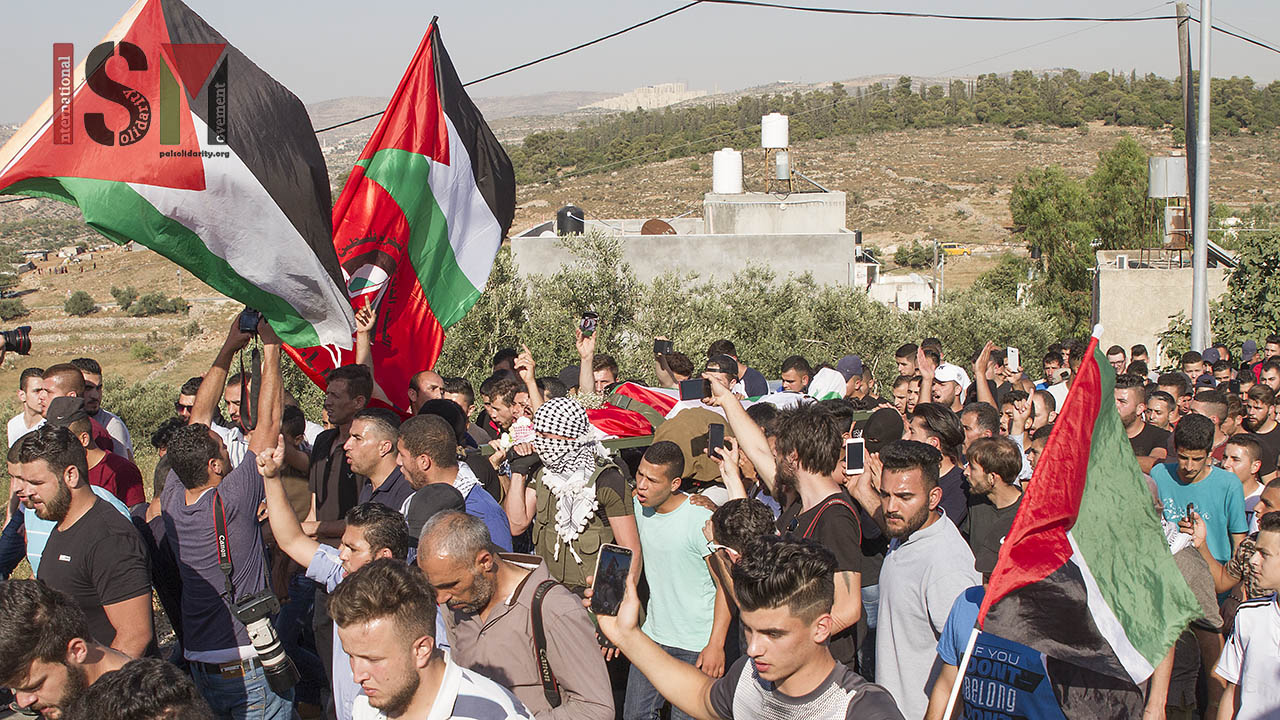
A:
(550, 688)
(250, 383)
(224, 548)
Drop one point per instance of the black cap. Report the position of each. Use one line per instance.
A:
(883, 427)
(426, 502)
(65, 410)
(723, 364)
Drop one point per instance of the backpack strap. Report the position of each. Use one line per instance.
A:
(823, 508)
(550, 688)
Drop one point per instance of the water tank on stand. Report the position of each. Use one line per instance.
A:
(570, 220)
(775, 132)
(726, 172)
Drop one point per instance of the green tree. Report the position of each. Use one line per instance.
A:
(124, 296)
(12, 309)
(1250, 308)
(1123, 215)
(79, 303)
(1053, 212)
(1003, 280)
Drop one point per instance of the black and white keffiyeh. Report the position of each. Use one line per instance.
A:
(568, 463)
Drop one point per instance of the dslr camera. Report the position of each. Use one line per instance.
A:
(255, 613)
(17, 340)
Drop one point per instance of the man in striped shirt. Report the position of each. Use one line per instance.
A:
(386, 618)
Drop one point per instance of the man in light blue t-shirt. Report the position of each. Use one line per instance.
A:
(1191, 479)
(688, 614)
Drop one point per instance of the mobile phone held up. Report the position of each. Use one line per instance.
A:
(695, 389)
(590, 319)
(611, 579)
(715, 439)
(249, 319)
(854, 456)
(663, 347)
(1012, 360)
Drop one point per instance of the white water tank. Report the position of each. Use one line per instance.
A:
(726, 172)
(774, 131)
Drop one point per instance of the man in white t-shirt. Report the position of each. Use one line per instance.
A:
(386, 618)
(29, 400)
(1250, 662)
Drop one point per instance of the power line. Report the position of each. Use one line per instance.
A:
(937, 16)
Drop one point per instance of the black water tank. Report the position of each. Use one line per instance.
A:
(570, 220)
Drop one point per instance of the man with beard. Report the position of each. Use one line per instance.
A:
(66, 380)
(111, 422)
(427, 452)
(1149, 443)
(1260, 420)
(489, 600)
(47, 654)
(93, 554)
(577, 501)
(373, 531)
(145, 689)
(928, 566)
(386, 617)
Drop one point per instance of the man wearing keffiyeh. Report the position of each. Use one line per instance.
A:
(577, 501)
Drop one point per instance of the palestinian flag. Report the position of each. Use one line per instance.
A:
(168, 136)
(419, 221)
(1085, 575)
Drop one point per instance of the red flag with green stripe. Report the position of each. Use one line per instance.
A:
(419, 221)
(1085, 575)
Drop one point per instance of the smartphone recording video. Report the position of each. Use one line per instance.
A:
(695, 389)
(663, 347)
(589, 322)
(611, 579)
(715, 439)
(854, 456)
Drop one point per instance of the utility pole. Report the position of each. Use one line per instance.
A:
(937, 295)
(1200, 258)
(1188, 102)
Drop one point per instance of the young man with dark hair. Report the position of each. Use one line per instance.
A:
(144, 689)
(1039, 439)
(386, 618)
(687, 614)
(1149, 443)
(187, 398)
(905, 358)
(938, 426)
(1192, 480)
(1213, 405)
(487, 599)
(110, 422)
(1138, 353)
(752, 382)
(1115, 356)
(1242, 456)
(785, 591)
(93, 554)
(1176, 384)
(928, 566)
(1249, 663)
(66, 380)
(107, 470)
(1162, 409)
(796, 374)
(222, 658)
(371, 451)
(902, 395)
(427, 452)
(994, 465)
(372, 530)
(1261, 421)
(48, 654)
(1192, 365)
(736, 523)
(604, 372)
(1269, 374)
(30, 415)
(979, 420)
(506, 400)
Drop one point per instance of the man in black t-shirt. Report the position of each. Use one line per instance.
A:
(1260, 420)
(785, 591)
(93, 554)
(1150, 443)
(994, 464)
(809, 445)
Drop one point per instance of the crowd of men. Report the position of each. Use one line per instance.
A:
(367, 565)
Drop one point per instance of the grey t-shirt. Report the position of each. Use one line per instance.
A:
(208, 623)
(742, 694)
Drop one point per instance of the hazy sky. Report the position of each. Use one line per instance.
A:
(323, 49)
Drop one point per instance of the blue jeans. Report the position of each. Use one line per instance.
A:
(643, 700)
(242, 698)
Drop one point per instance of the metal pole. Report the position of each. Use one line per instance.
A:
(1200, 259)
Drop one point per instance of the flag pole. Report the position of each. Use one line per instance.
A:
(964, 666)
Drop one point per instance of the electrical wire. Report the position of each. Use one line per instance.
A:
(937, 16)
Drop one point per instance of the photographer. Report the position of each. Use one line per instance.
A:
(225, 664)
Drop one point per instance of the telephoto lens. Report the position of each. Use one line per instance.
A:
(255, 613)
(17, 340)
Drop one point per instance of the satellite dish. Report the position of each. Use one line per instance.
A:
(657, 227)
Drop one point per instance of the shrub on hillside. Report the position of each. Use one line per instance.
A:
(154, 303)
(124, 296)
(12, 308)
(79, 304)
(143, 352)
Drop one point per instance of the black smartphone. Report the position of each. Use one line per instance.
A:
(610, 582)
(663, 347)
(715, 439)
(249, 319)
(854, 455)
(590, 320)
(695, 389)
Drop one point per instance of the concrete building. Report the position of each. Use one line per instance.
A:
(649, 98)
(797, 234)
(1136, 292)
(910, 293)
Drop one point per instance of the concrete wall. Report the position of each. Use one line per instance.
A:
(902, 294)
(829, 257)
(765, 213)
(1135, 304)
